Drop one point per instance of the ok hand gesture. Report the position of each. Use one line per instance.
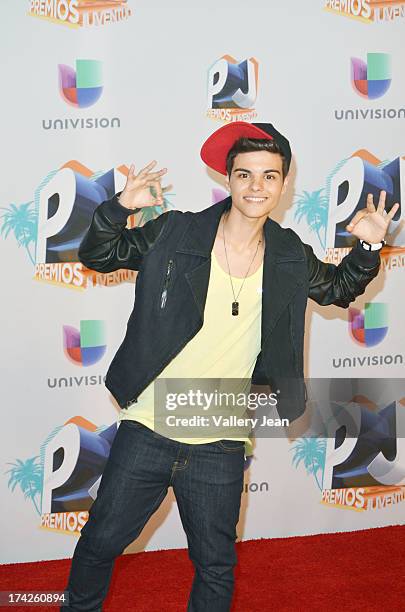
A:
(371, 224)
(137, 192)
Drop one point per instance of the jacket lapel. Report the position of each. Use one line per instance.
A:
(197, 242)
(281, 275)
(199, 236)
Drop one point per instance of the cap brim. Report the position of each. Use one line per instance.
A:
(215, 149)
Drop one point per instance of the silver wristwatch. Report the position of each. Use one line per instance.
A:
(372, 246)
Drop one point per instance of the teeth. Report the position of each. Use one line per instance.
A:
(255, 199)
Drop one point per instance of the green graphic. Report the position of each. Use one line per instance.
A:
(310, 451)
(22, 221)
(28, 475)
(313, 207)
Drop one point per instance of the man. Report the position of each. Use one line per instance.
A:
(220, 293)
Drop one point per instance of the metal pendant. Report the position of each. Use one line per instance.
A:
(235, 308)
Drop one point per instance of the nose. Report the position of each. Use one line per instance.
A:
(257, 183)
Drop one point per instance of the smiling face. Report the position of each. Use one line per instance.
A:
(256, 183)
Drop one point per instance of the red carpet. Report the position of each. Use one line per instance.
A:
(356, 571)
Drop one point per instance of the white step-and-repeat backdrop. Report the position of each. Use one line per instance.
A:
(91, 86)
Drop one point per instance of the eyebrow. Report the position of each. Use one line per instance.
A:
(264, 171)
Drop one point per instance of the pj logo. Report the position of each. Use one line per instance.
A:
(349, 185)
(232, 89)
(328, 210)
(63, 481)
(365, 461)
(359, 460)
(52, 227)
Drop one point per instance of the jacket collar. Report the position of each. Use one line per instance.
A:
(283, 266)
(199, 237)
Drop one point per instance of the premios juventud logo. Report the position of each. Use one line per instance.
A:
(367, 11)
(61, 481)
(347, 188)
(80, 13)
(51, 226)
(232, 89)
(328, 209)
(358, 463)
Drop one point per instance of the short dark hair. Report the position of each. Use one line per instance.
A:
(248, 145)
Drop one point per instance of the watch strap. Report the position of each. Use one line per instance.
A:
(372, 246)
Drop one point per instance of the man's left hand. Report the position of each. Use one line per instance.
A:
(371, 224)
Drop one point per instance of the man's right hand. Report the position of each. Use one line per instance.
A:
(137, 193)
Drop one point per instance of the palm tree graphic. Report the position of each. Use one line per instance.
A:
(28, 474)
(312, 452)
(314, 208)
(22, 220)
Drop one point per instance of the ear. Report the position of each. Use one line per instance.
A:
(227, 185)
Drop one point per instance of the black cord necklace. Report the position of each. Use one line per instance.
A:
(235, 303)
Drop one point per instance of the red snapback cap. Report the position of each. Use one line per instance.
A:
(215, 149)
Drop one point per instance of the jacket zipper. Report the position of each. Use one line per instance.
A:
(163, 297)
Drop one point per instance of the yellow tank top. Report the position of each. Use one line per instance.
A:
(226, 346)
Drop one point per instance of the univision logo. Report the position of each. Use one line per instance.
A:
(368, 329)
(371, 327)
(82, 87)
(86, 346)
(371, 79)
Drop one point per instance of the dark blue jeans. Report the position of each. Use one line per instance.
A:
(207, 480)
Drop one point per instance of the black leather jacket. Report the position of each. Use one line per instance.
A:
(173, 256)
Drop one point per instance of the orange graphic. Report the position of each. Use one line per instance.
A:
(82, 422)
(367, 156)
(382, 3)
(79, 168)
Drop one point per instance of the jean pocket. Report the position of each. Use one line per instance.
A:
(231, 446)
